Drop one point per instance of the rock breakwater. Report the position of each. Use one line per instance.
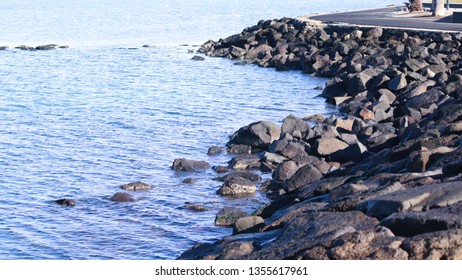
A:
(380, 180)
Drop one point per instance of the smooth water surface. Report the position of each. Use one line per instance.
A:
(80, 122)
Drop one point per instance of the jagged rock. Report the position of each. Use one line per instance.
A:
(237, 186)
(136, 186)
(189, 165)
(353, 153)
(228, 216)
(397, 83)
(258, 134)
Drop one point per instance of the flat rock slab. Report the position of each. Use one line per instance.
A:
(413, 223)
(415, 199)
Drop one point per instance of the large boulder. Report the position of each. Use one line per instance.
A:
(292, 123)
(248, 224)
(258, 134)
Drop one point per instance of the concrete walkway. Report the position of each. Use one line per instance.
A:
(388, 17)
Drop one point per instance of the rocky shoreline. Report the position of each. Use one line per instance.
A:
(381, 180)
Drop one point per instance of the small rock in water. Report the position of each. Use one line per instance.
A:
(195, 207)
(136, 186)
(25, 48)
(189, 165)
(2, 48)
(214, 150)
(190, 51)
(318, 88)
(47, 47)
(65, 202)
(198, 58)
(149, 46)
(122, 197)
(189, 181)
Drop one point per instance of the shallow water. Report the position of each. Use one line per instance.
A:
(80, 122)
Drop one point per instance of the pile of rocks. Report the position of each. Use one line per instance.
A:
(382, 180)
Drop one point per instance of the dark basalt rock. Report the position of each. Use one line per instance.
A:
(189, 165)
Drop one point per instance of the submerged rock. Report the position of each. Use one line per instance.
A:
(136, 186)
(122, 197)
(66, 202)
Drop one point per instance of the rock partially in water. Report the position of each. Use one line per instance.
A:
(66, 202)
(2, 48)
(189, 165)
(47, 47)
(122, 197)
(136, 186)
(228, 216)
(214, 150)
(149, 46)
(195, 207)
(198, 58)
(257, 134)
(237, 186)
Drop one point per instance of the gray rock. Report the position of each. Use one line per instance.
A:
(397, 83)
(357, 84)
(255, 178)
(198, 58)
(352, 153)
(294, 149)
(47, 47)
(122, 197)
(237, 186)
(439, 245)
(285, 170)
(328, 146)
(189, 165)
(272, 158)
(415, 199)
(236, 149)
(425, 99)
(414, 223)
(214, 150)
(258, 134)
(228, 216)
(292, 123)
(243, 162)
(248, 224)
(195, 207)
(136, 186)
(305, 175)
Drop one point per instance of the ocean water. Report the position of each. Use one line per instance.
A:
(79, 122)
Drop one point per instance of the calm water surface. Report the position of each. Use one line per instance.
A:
(80, 122)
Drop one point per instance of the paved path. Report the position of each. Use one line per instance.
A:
(382, 17)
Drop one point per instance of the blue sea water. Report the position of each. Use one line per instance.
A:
(79, 122)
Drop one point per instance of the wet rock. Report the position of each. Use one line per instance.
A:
(189, 181)
(228, 216)
(25, 48)
(237, 186)
(189, 165)
(248, 224)
(214, 150)
(47, 47)
(258, 134)
(122, 197)
(195, 207)
(149, 46)
(220, 169)
(2, 48)
(66, 202)
(198, 58)
(136, 186)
